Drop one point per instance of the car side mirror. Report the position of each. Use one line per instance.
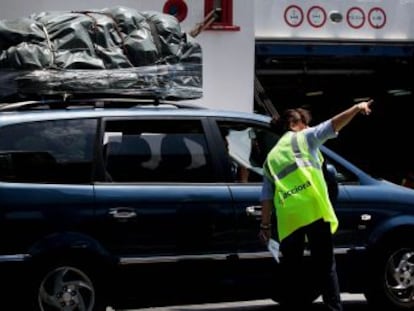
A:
(331, 169)
(330, 174)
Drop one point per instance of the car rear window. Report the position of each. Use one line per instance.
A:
(57, 151)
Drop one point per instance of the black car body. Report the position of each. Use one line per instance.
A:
(147, 204)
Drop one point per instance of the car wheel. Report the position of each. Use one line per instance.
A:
(67, 287)
(392, 282)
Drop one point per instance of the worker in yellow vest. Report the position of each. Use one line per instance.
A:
(295, 189)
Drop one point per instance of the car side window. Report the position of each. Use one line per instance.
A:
(58, 151)
(156, 151)
(342, 175)
(247, 146)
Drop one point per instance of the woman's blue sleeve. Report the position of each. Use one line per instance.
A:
(268, 189)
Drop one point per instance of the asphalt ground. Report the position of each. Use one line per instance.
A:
(351, 302)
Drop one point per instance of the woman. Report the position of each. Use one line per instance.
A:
(295, 188)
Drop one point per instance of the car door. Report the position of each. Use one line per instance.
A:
(354, 213)
(45, 183)
(164, 201)
(247, 144)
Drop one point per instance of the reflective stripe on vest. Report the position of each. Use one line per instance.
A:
(299, 160)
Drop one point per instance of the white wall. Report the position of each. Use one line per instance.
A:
(228, 56)
(228, 59)
(11, 9)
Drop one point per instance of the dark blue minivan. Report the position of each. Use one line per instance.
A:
(137, 203)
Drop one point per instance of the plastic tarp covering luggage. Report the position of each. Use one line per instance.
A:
(110, 51)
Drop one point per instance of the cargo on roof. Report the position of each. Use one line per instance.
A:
(113, 50)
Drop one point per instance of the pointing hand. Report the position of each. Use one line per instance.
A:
(364, 107)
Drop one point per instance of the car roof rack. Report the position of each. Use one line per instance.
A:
(86, 102)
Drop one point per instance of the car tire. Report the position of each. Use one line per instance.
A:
(391, 284)
(67, 284)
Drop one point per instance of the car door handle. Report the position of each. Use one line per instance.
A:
(122, 213)
(254, 210)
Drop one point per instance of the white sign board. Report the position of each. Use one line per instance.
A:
(377, 20)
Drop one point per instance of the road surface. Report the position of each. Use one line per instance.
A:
(352, 302)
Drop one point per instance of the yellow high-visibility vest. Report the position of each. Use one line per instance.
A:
(301, 194)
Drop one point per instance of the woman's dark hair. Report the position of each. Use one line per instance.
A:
(291, 116)
(305, 115)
